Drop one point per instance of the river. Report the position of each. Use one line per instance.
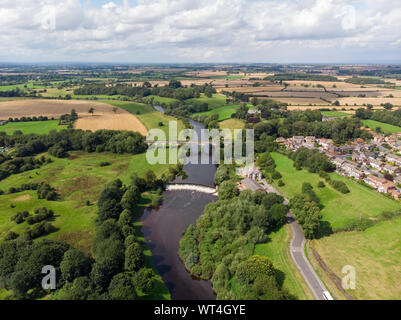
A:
(163, 230)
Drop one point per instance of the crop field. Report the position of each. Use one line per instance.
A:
(277, 251)
(373, 101)
(339, 209)
(38, 127)
(376, 255)
(50, 108)
(148, 116)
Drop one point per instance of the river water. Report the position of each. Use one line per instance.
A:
(163, 230)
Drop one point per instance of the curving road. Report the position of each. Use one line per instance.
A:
(297, 252)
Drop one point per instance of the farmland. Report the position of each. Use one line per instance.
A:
(338, 209)
(38, 127)
(375, 253)
(148, 116)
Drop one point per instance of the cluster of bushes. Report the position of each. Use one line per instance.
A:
(307, 213)
(336, 184)
(221, 245)
(44, 190)
(312, 160)
(174, 90)
(59, 143)
(307, 189)
(12, 165)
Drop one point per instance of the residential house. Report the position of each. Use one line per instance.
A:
(382, 185)
(325, 143)
(376, 164)
(281, 140)
(351, 170)
(298, 140)
(391, 169)
(254, 112)
(393, 159)
(338, 162)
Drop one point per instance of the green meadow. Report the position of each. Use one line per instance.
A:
(339, 209)
(386, 128)
(38, 127)
(277, 251)
(376, 255)
(78, 179)
(224, 113)
(216, 101)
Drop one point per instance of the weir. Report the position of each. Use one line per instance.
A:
(192, 187)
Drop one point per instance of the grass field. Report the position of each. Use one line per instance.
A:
(387, 128)
(148, 116)
(232, 124)
(224, 113)
(214, 102)
(375, 254)
(335, 114)
(38, 127)
(161, 100)
(277, 250)
(339, 209)
(77, 179)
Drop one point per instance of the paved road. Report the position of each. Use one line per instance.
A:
(297, 246)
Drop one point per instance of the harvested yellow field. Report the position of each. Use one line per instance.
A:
(372, 101)
(50, 108)
(121, 120)
(104, 115)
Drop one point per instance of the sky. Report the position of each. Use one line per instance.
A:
(202, 31)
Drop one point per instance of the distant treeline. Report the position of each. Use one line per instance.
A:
(362, 81)
(300, 76)
(59, 143)
(174, 90)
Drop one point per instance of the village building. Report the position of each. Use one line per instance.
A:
(251, 172)
(391, 169)
(249, 184)
(281, 140)
(376, 164)
(393, 159)
(254, 112)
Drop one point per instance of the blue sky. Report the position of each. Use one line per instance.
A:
(279, 31)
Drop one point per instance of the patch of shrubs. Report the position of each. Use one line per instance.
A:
(40, 215)
(40, 229)
(105, 164)
(20, 217)
(336, 184)
(45, 191)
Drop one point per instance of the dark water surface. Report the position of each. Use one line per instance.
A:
(163, 230)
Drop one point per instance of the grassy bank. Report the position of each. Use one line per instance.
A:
(38, 127)
(338, 209)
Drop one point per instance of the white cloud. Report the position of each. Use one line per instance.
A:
(200, 30)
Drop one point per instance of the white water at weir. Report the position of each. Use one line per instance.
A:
(191, 187)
